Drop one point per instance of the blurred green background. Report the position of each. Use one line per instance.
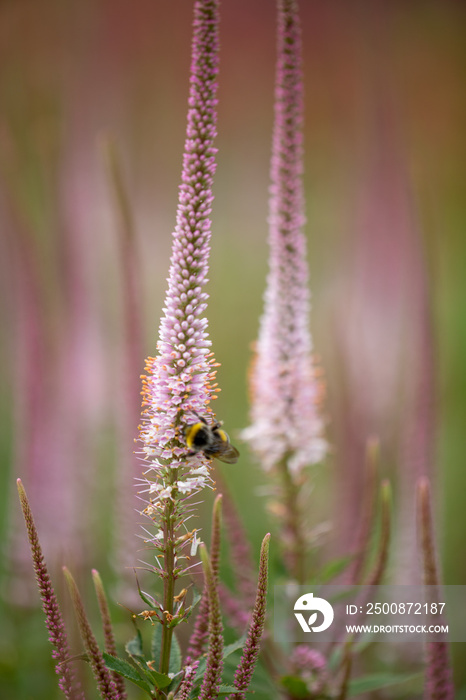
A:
(385, 168)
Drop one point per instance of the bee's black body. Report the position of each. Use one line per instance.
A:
(211, 440)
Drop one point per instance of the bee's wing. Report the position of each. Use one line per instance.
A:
(228, 454)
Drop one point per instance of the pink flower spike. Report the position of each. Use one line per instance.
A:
(214, 661)
(285, 390)
(179, 379)
(110, 644)
(199, 635)
(102, 676)
(54, 620)
(438, 680)
(247, 664)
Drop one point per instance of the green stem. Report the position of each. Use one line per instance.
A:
(169, 581)
(293, 525)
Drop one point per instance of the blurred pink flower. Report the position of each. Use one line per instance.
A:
(310, 665)
(285, 391)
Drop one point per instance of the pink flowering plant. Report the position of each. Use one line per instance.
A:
(286, 430)
(179, 436)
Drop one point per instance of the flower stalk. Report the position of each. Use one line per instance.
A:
(214, 664)
(368, 510)
(200, 632)
(247, 664)
(439, 681)
(102, 675)
(286, 429)
(294, 540)
(180, 380)
(110, 645)
(376, 575)
(53, 616)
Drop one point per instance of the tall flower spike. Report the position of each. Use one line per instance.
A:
(179, 384)
(180, 378)
(285, 391)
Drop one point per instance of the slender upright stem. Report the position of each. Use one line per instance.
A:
(168, 584)
(296, 553)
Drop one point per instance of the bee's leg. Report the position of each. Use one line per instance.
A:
(201, 418)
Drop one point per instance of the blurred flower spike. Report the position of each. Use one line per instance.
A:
(180, 380)
(285, 389)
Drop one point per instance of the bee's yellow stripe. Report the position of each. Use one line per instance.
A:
(223, 435)
(191, 432)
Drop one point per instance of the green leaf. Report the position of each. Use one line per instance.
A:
(156, 643)
(189, 610)
(145, 597)
(175, 651)
(377, 681)
(160, 679)
(296, 687)
(196, 599)
(76, 657)
(332, 569)
(229, 649)
(234, 646)
(225, 689)
(125, 669)
(175, 656)
(200, 669)
(134, 649)
(134, 646)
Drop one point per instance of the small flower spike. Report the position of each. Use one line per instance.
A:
(200, 633)
(439, 681)
(54, 620)
(214, 664)
(102, 675)
(188, 681)
(110, 645)
(247, 664)
(285, 390)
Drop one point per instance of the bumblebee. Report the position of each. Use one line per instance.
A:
(211, 440)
